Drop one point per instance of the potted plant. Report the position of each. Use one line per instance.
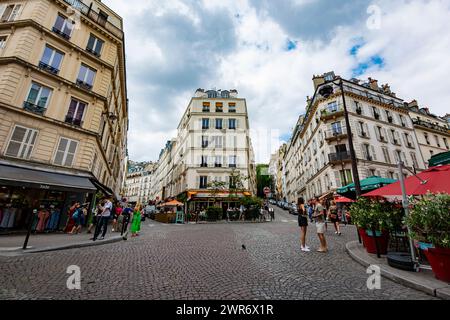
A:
(374, 219)
(429, 222)
(214, 213)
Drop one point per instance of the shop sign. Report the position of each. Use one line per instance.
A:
(44, 186)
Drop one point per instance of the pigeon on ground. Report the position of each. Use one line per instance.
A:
(243, 247)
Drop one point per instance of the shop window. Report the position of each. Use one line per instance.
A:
(21, 143)
(66, 152)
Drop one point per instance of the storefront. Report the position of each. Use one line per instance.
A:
(200, 200)
(23, 190)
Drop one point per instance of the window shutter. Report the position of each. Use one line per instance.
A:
(404, 159)
(405, 139)
(377, 133)
(397, 136)
(366, 126)
(16, 12)
(61, 151)
(16, 141)
(374, 154)
(385, 134)
(391, 137)
(338, 179)
(358, 128)
(237, 123)
(70, 154)
(2, 9)
(363, 149)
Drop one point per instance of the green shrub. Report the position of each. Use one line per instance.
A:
(429, 219)
(214, 213)
(376, 215)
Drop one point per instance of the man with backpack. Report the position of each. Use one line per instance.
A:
(126, 213)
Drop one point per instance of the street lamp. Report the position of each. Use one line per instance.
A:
(327, 91)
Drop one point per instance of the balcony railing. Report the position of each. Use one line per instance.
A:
(340, 133)
(61, 33)
(94, 16)
(74, 121)
(330, 113)
(429, 125)
(48, 68)
(84, 85)
(340, 156)
(95, 53)
(33, 107)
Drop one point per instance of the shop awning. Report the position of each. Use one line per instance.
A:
(439, 159)
(38, 179)
(104, 189)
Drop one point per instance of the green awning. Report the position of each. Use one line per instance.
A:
(367, 185)
(439, 159)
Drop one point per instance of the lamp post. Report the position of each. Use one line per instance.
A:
(326, 91)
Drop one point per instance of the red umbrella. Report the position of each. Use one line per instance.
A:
(435, 180)
(343, 200)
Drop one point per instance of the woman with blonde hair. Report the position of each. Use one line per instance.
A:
(136, 221)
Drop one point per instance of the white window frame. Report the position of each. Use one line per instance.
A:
(38, 97)
(14, 12)
(64, 26)
(89, 69)
(26, 148)
(66, 152)
(52, 57)
(3, 42)
(96, 41)
(76, 109)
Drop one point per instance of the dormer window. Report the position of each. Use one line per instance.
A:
(212, 94)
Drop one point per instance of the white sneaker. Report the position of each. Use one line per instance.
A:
(306, 249)
(112, 230)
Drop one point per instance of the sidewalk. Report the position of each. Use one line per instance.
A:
(11, 245)
(422, 281)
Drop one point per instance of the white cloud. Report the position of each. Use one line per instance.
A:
(413, 41)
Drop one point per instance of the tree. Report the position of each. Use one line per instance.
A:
(236, 183)
(215, 187)
(263, 179)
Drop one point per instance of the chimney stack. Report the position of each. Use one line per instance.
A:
(413, 104)
(318, 80)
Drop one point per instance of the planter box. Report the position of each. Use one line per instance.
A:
(369, 241)
(439, 259)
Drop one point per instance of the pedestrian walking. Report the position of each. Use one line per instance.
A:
(102, 225)
(272, 214)
(320, 215)
(334, 217)
(70, 222)
(310, 210)
(136, 221)
(126, 214)
(302, 223)
(117, 214)
(77, 218)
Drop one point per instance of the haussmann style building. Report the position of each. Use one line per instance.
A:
(63, 108)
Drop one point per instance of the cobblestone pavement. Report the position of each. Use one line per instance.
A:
(201, 262)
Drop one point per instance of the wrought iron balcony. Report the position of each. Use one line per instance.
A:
(339, 157)
(94, 16)
(332, 113)
(84, 85)
(33, 107)
(95, 53)
(48, 68)
(336, 134)
(61, 33)
(74, 121)
(428, 125)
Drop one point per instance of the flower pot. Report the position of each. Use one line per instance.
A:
(369, 241)
(362, 232)
(439, 259)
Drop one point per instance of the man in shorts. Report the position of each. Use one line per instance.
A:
(320, 216)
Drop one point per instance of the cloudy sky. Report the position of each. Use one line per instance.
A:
(269, 50)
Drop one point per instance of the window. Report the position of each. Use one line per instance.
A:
(332, 107)
(386, 155)
(336, 128)
(38, 98)
(232, 124)
(218, 141)
(10, 12)
(402, 121)
(376, 115)
(3, 41)
(368, 152)
(232, 161)
(219, 124)
(205, 107)
(389, 116)
(358, 108)
(21, 142)
(211, 94)
(102, 18)
(63, 26)
(86, 77)
(218, 161)
(66, 152)
(426, 138)
(94, 45)
(372, 172)
(446, 143)
(204, 161)
(204, 142)
(437, 141)
(225, 94)
(219, 107)
(391, 175)
(75, 112)
(203, 182)
(380, 134)
(51, 60)
(346, 176)
(205, 123)
(232, 107)
(414, 160)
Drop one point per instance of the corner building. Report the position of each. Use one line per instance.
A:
(63, 106)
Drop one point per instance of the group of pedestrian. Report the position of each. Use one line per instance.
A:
(105, 211)
(317, 212)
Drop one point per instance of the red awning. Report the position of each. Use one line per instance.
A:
(435, 180)
(343, 200)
